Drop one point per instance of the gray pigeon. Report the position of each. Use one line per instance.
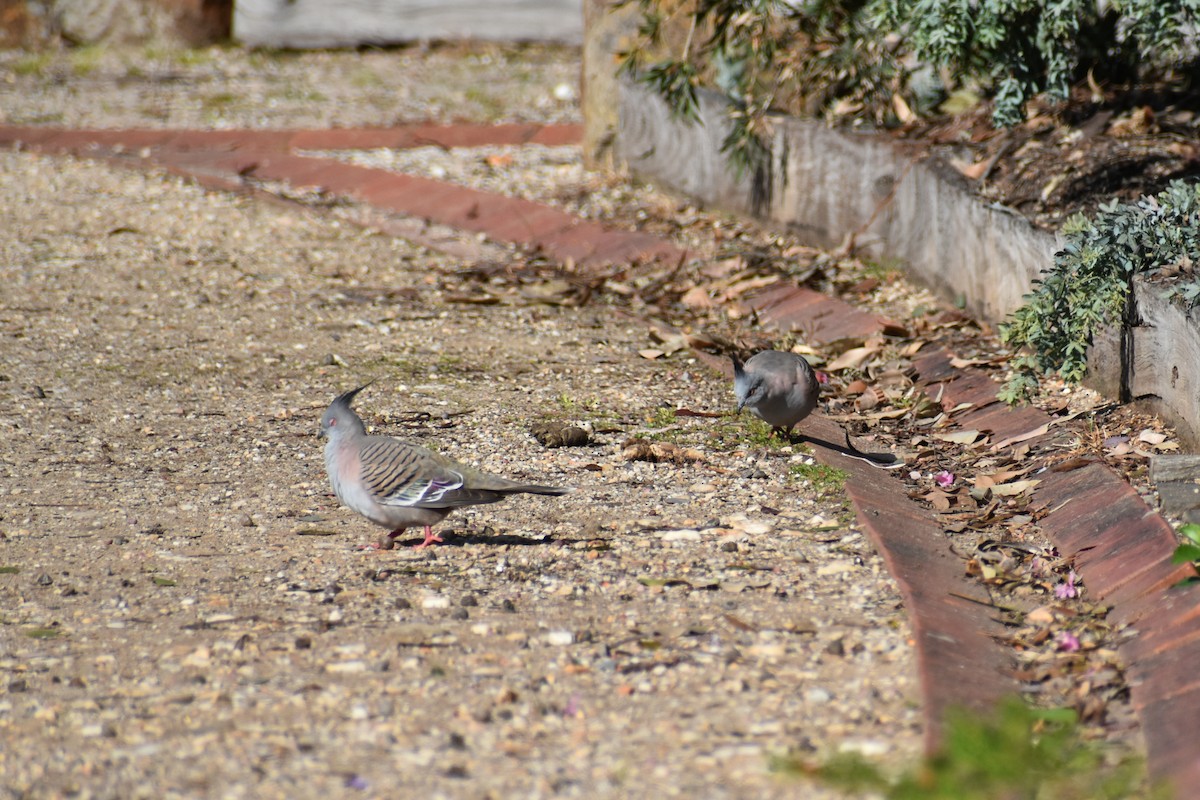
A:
(781, 388)
(400, 485)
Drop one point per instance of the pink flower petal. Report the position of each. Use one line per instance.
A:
(944, 478)
(1067, 642)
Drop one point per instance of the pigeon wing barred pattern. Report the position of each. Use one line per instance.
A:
(399, 485)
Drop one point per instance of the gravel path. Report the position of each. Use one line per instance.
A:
(228, 88)
(185, 610)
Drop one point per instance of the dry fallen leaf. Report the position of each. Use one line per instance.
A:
(893, 413)
(939, 499)
(1033, 434)
(973, 171)
(853, 358)
(988, 481)
(959, 437)
(866, 401)
(741, 287)
(1015, 488)
(697, 297)
(1152, 437)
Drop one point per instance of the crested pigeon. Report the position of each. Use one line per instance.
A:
(400, 485)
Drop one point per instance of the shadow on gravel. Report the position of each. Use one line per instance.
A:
(453, 539)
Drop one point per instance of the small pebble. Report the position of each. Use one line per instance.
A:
(682, 535)
(559, 638)
(817, 695)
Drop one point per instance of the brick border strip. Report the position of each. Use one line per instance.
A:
(960, 660)
(230, 161)
(400, 137)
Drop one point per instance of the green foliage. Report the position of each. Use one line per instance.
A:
(1088, 284)
(1189, 551)
(861, 57)
(1024, 47)
(1020, 753)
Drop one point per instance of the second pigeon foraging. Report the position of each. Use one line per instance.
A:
(780, 388)
(400, 485)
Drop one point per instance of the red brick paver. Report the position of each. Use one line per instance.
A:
(223, 158)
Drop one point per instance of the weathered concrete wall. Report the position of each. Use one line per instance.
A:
(1165, 359)
(349, 23)
(827, 185)
(682, 156)
(897, 204)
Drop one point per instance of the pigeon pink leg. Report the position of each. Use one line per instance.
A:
(430, 538)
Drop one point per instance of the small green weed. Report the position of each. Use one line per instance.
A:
(492, 106)
(665, 427)
(823, 479)
(298, 94)
(744, 430)
(43, 633)
(34, 64)
(365, 78)
(85, 60)
(191, 57)
(886, 270)
(756, 433)
(269, 56)
(661, 417)
(1020, 752)
(578, 406)
(219, 100)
